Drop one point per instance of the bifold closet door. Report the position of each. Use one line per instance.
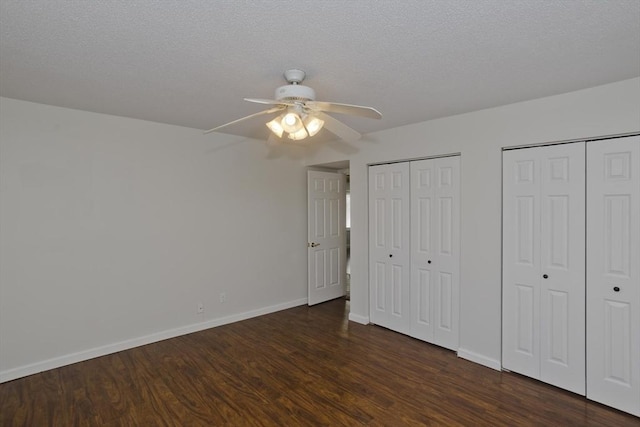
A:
(543, 328)
(613, 273)
(389, 248)
(435, 250)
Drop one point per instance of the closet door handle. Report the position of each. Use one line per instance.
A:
(390, 255)
(545, 276)
(429, 262)
(616, 289)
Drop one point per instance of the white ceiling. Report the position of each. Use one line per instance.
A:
(190, 62)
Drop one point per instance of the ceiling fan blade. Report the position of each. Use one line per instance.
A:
(270, 101)
(337, 127)
(263, 101)
(353, 110)
(259, 113)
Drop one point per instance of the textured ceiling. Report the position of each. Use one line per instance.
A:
(190, 62)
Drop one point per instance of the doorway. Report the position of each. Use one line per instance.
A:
(329, 224)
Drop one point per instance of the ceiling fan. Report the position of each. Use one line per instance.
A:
(301, 116)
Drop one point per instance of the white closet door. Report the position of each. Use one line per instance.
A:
(613, 273)
(435, 250)
(543, 264)
(521, 262)
(562, 258)
(389, 248)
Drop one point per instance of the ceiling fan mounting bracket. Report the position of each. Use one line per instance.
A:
(294, 76)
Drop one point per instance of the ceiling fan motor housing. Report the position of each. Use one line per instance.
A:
(295, 92)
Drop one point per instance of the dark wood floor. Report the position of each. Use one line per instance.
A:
(303, 366)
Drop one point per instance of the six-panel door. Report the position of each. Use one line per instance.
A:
(327, 236)
(435, 250)
(389, 245)
(613, 273)
(543, 264)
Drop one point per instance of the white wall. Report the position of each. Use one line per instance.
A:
(112, 229)
(479, 137)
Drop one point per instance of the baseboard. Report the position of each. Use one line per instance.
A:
(480, 359)
(363, 320)
(68, 359)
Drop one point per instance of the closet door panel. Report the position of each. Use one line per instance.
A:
(390, 247)
(562, 257)
(435, 225)
(613, 273)
(521, 262)
(400, 296)
(543, 264)
(423, 201)
(447, 247)
(379, 194)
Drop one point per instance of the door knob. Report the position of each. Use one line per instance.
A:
(616, 289)
(429, 262)
(390, 255)
(313, 244)
(545, 276)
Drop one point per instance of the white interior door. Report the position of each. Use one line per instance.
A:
(613, 273)
(327, 235)
(435, 250)
(389, 248)
(543, 264)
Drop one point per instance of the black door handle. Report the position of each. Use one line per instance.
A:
(390, 255)
(545, 276)
(616, 289)
(429, 262)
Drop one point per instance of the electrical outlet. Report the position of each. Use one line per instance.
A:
(200, 309)
(223, 297)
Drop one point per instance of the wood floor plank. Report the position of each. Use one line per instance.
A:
(303, 366)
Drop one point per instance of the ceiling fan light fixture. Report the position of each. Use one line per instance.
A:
(275, 126)
(313, 125)
(300, 134)
(291, 122)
